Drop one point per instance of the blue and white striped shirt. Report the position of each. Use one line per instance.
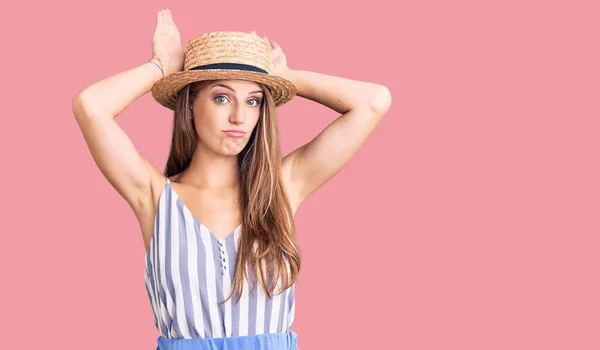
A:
(188, 270)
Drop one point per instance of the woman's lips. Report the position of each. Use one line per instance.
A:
(235, 133)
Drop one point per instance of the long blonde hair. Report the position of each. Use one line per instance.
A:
(268, 233)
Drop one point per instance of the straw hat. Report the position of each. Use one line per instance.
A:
(224, 55)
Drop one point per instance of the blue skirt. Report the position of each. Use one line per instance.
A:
(266, 341)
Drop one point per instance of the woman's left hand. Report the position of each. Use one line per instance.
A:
(278, 59)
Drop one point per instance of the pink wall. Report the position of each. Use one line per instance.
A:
(468, 220)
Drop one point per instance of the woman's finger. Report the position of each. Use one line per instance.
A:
(158, 18)
(170, 21)
(168, 24)
(268, 42)
(162, 19)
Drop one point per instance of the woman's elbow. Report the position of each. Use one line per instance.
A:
(382, 100)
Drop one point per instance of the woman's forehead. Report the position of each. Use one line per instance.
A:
(238, 84)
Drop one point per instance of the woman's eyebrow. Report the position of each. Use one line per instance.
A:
(230, 88)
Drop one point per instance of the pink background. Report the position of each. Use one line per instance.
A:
(469, 219)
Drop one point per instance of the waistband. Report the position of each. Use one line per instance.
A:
(266, 341)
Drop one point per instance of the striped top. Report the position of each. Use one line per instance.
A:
(188, 270)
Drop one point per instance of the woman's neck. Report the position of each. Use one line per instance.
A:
(208, 169)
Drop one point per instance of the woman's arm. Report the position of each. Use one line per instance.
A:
(96, 107)
(362, 104)
(110, 96)
(339, 94)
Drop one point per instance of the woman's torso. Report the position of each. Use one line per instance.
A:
(188, 269)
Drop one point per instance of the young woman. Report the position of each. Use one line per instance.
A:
(218, 221)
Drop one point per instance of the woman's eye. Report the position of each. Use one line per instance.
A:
(255, 100)
(223, 99)
(220, 96)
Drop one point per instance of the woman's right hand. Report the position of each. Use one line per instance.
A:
(166, 43)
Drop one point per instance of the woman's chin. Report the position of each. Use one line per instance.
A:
(232, 147)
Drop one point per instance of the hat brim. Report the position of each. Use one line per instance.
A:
(165, 90)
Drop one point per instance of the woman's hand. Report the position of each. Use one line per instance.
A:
(278, 59)
(166, 43)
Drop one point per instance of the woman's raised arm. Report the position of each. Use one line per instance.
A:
(96, 106)
(362, 105)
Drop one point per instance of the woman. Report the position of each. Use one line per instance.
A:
(219, 221)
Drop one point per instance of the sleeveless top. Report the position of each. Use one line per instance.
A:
(188, 270)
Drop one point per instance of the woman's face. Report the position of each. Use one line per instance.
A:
(227, 105)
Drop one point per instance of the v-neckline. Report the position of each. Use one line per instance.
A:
(185, 207)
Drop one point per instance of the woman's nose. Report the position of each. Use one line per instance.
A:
(238, 114)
